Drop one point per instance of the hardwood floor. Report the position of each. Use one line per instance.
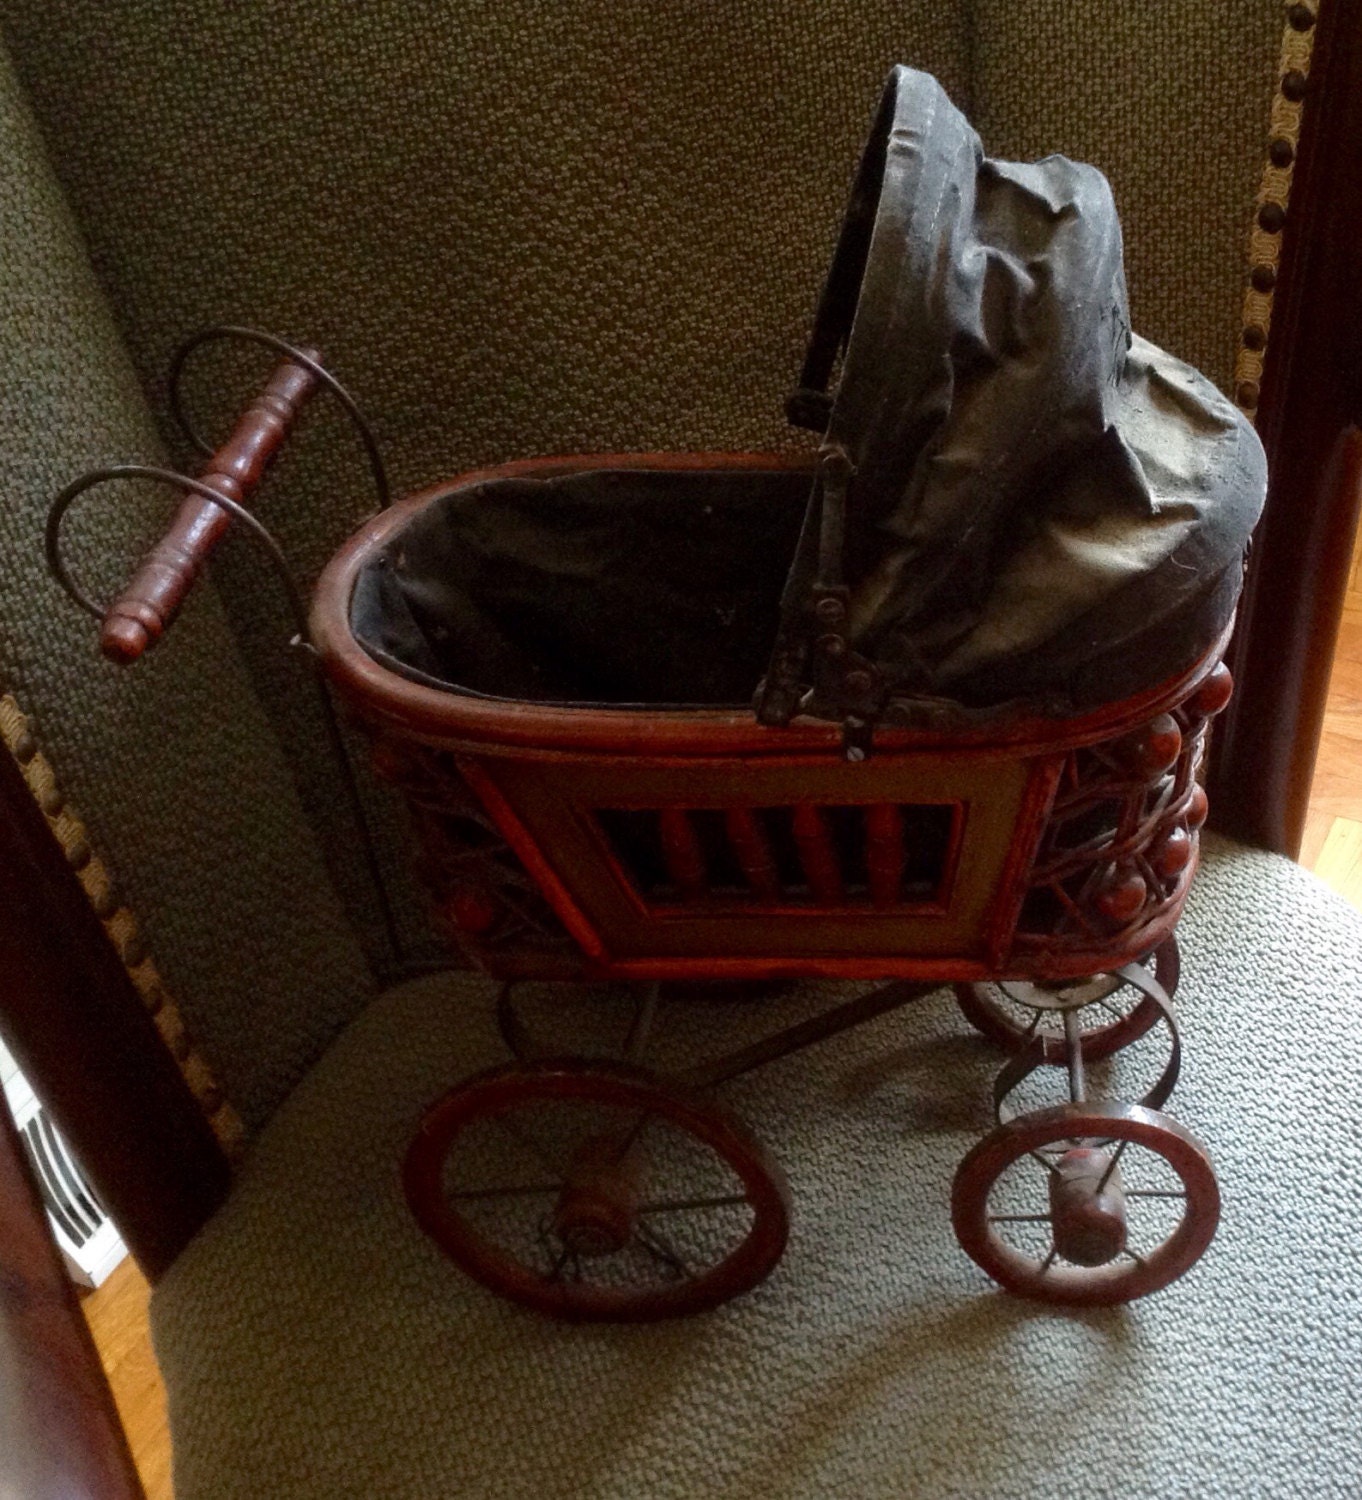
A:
(117, 1312)
(117, 1315)
(1333, 830)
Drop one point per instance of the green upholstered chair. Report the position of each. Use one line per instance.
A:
(523, 229)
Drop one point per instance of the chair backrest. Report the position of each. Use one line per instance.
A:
(1300, 368)
(517, 230)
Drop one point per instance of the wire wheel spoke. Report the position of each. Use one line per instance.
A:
(1115, 1161)
(661, 1249)
(633, 1135)
(490, 1194)
(569, 1260)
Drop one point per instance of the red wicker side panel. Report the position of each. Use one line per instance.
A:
(488, 905)
(1118, 850)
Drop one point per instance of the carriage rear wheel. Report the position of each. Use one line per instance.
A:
(1012, 1012)
(596, 1192)
(1086, 1204)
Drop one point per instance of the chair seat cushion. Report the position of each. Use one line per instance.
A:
(315, 1343)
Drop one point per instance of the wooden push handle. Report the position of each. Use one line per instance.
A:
(140, 615)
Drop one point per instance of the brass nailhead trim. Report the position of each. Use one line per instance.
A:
(120, 925)
(1272, 207)
(1271, 216)
(106, 901)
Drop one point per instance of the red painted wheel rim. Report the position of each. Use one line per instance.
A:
(500, 1091)
(1118, 1282)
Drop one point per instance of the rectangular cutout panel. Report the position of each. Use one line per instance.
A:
(886, 855)
(788, 859)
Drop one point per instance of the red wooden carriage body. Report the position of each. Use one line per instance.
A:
(1033, 862)
(1037, 863)
(667, 844)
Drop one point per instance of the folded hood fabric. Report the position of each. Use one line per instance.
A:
(1042, 503)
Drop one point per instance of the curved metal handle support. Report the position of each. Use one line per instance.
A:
(145, 608)
(298, 376)
(297, 608)
(61, 570)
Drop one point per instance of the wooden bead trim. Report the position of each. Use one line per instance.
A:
(1270, 213)
(119, 923)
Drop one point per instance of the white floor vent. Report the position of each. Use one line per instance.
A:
(89, 1243)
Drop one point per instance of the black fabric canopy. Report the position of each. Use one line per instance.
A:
(1042, 505)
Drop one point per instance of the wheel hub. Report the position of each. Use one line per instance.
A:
(1074, 994)
(1087, 1207)
(597, 1209)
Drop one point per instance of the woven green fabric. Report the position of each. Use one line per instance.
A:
(173, 764)
(1171, 101)
(316, 1345)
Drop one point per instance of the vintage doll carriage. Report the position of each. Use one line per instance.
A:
(981, 630)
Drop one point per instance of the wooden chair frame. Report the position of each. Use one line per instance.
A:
(1309, 410)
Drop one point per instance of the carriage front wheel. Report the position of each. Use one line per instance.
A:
(596, 1192)
(1086, 1204)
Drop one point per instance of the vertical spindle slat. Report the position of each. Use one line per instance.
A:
(884, 852)
(683, 854)
(753, 850)
(818, 854)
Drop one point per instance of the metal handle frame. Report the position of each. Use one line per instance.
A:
(62, 572)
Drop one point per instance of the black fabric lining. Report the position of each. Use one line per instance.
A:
(620, 587)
